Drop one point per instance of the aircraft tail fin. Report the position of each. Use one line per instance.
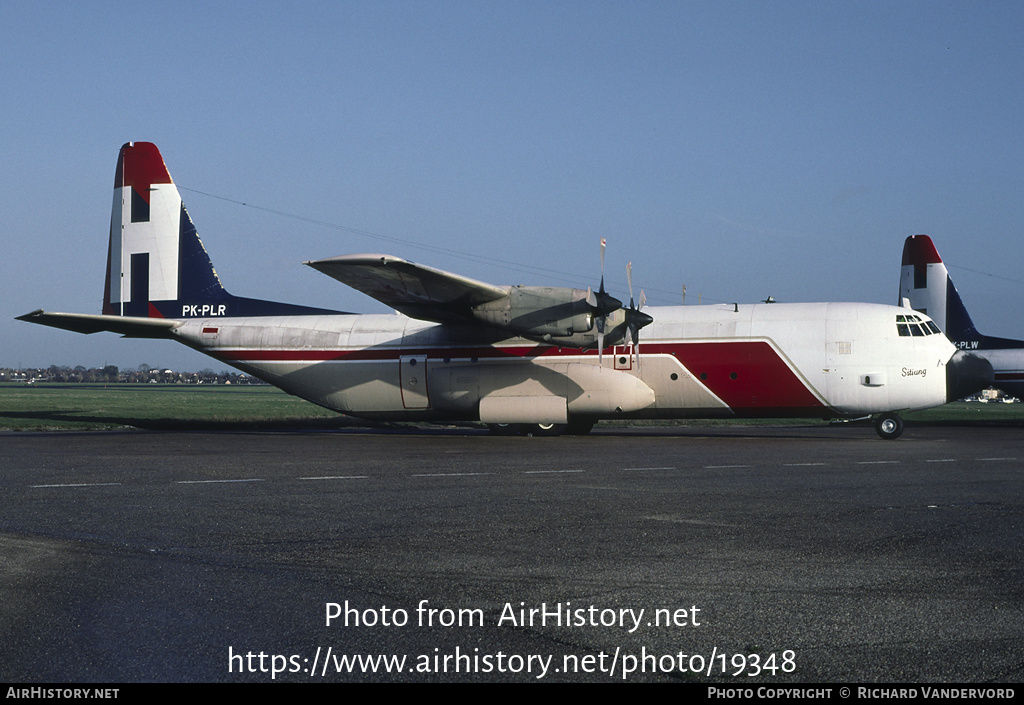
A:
(924, 280)
(157, 267)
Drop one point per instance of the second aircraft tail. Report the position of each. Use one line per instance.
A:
(925, 282)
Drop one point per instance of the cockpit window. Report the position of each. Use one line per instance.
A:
(911, 325)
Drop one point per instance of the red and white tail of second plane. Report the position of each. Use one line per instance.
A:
(512, 357)
(926, 285)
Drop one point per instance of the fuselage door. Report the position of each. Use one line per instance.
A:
(413, 373)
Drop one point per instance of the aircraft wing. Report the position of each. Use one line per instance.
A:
(416, 290)
(128, 326)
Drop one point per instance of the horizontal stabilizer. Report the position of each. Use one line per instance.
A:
(128, 326)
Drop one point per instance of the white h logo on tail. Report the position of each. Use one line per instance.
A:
(145, 220)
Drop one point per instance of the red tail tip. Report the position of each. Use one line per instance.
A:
(918, 250)
(140, 166)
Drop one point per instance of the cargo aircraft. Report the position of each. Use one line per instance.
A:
(521, 359)
(925, 284)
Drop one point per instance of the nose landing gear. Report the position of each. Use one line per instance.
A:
(889, 426)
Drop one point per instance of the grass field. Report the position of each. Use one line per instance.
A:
(76, 407)
(94, 407)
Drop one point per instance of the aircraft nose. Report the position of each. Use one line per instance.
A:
(966, 374)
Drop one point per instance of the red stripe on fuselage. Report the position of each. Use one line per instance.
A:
(743, 374)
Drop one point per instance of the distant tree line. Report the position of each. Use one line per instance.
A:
(143, 374)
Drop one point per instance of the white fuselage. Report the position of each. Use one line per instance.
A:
(815, 360)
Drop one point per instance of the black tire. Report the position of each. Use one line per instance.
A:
(546, 429)
(889, 426)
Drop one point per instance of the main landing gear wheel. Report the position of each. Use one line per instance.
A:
(526, 429)
(889, 426)
(545, 429)
(575, 427)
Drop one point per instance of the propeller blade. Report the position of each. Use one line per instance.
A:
(604, 244)
(635, 318)
(633, 336)
(629, 281)
(602, 304)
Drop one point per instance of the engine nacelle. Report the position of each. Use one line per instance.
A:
(543, 312)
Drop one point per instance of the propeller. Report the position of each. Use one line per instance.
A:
(635, 318)
(602, 304)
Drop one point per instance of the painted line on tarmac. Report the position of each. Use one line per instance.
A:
(82, 484)
(215, 482)
(338, 477)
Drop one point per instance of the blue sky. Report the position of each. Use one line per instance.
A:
(745, 149)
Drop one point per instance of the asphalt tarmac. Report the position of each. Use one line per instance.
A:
(733, 555)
